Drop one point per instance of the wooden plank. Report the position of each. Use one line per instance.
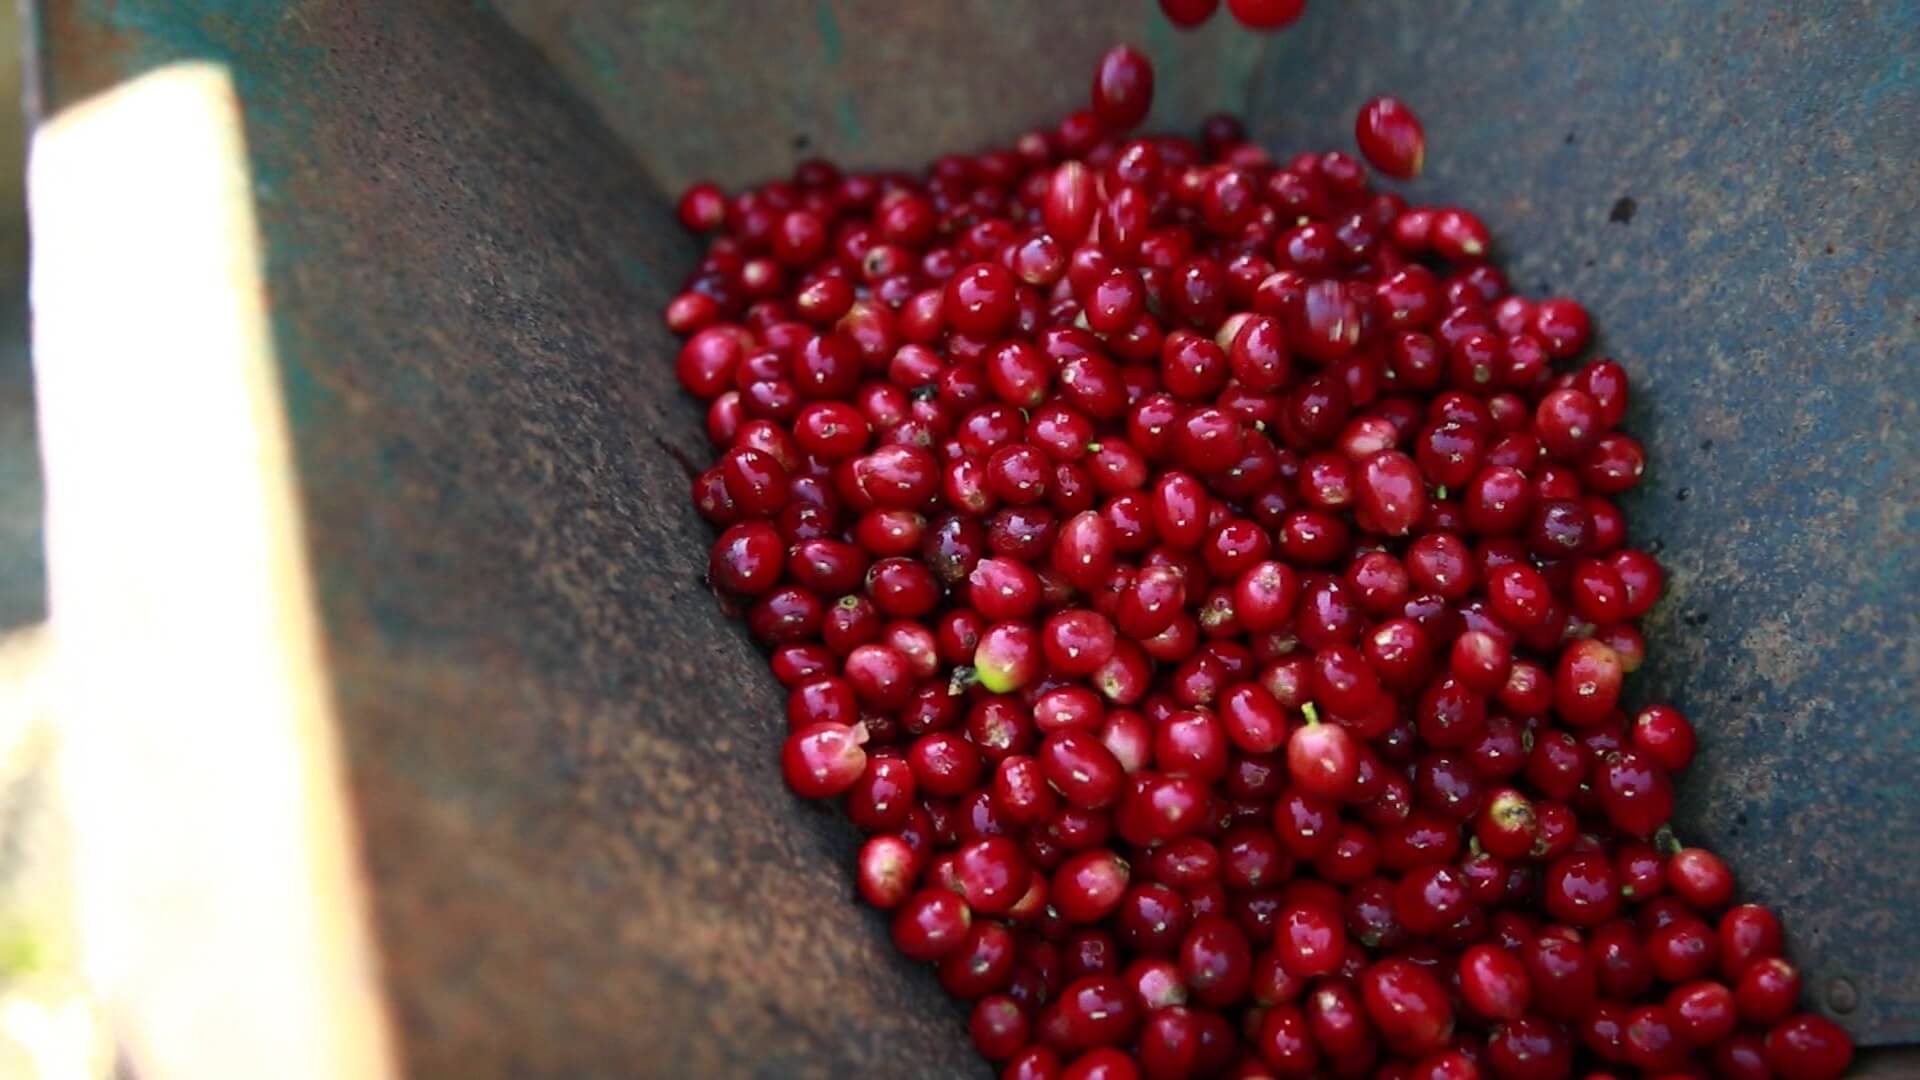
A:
(220, 900)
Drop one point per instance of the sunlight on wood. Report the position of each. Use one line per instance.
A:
(221, 906)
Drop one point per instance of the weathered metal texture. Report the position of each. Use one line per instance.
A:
(23, 572)
(739, 91)
(584, 860)
(560, 750)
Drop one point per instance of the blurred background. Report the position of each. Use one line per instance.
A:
(22, 579)
(47, 1029)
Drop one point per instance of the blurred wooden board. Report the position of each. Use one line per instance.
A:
(218, 888)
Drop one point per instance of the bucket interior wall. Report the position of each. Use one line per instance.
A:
(562, 754)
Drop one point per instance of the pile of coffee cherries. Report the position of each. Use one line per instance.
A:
(1198, 575)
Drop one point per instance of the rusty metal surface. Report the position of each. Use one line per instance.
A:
(561, 752)
(739, 91)
(585, 861)
(23, 572)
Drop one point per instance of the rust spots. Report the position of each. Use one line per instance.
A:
(73, 56)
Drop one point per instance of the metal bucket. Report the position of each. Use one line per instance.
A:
(530, 768)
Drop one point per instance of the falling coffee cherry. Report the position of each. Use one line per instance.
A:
(1391, 138)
